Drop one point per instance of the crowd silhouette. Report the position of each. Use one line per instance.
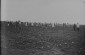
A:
(19, 24)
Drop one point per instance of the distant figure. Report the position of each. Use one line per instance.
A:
(77, 25)
(74, 26)
(53, 25)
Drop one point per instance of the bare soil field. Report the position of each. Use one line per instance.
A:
(32, 40)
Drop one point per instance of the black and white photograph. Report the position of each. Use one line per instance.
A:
(42, 27)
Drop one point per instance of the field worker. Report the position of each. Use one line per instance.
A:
(74, 27)
(77, 25)
(26, 23)
(52, 24)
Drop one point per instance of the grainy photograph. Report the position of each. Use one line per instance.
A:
(42, 27)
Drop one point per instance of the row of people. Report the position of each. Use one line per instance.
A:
(37, 24)
(19, 23)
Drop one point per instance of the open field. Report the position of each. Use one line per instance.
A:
(37, 40)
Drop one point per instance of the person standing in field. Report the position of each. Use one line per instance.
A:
(77, 25)
(74, 27)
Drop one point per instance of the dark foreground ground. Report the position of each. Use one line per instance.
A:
(31, 40)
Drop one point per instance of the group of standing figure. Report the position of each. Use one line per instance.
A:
(76, 27)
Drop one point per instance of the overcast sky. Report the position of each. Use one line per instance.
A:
(71, 11)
